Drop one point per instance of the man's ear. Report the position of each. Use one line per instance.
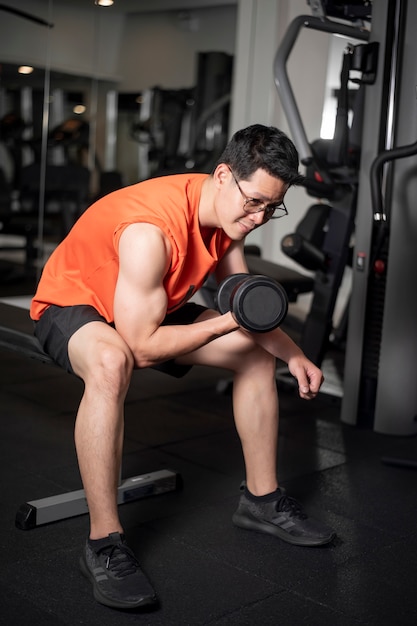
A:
(221, 174)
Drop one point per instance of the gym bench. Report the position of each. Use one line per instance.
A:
(16, 334)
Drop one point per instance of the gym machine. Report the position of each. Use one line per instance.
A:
(331, 174)
(321, 242)
(380, 390)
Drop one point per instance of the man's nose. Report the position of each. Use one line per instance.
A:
(258, 218)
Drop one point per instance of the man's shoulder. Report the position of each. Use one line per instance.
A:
(177, 180)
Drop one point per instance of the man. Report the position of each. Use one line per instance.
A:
(112, 297)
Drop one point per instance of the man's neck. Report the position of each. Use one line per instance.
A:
(206, 212)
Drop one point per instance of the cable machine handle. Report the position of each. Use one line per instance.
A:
(376, 175)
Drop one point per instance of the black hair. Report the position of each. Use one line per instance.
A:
(262, 147)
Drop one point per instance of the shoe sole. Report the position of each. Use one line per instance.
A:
(145, 601)
(247, 522)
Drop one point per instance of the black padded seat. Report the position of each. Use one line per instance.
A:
(16, 333)
(293, 282)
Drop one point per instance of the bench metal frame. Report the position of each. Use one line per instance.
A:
(15, 335)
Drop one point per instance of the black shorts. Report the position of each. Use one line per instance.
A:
(58, 324)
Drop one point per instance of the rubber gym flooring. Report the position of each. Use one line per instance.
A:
(206, 571)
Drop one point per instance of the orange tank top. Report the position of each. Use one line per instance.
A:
(83, 269)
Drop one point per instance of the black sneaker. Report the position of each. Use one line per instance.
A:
(117, 579)
(282, 517)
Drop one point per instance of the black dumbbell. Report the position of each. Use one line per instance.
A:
(258, 303)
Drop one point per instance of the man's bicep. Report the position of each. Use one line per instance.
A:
(140, 299)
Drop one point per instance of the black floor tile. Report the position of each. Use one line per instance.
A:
(366, 592)
(289, 608)
(368, 492)
(17, 610)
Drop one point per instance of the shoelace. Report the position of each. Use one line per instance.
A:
(120, 560)
(290, 505)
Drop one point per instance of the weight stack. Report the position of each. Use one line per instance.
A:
(372, 341)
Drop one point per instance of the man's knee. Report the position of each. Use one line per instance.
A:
(264, 359)
(112, 366)
(254, 357)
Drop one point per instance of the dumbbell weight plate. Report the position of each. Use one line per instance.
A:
(225, 291)
(260, 304)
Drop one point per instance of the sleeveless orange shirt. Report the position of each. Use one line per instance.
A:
(83, 269)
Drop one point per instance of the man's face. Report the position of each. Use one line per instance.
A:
(247, 204)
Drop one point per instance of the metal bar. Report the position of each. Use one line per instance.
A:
(282, 81)
(53, 508)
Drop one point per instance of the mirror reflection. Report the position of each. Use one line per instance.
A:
(88, 118)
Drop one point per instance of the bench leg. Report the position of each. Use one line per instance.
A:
(54, 508)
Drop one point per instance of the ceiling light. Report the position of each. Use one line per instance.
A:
(104, 3)
(25, 69)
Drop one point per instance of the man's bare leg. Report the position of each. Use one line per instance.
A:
(100, 357)
(263, 507)
(255, 403)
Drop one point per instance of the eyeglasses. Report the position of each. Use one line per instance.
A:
(273, 211)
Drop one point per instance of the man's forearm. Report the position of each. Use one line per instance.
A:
(278, 343)
(169, 342)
